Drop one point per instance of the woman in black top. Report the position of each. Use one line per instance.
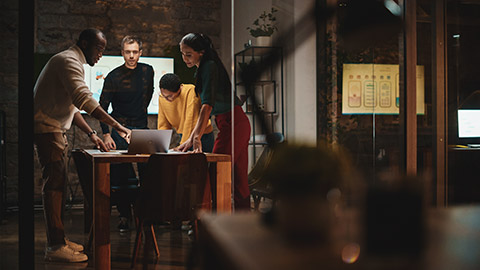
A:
(214, 87)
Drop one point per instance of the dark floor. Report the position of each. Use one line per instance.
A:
(174, 245)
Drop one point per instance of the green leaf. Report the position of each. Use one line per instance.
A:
(264, 24)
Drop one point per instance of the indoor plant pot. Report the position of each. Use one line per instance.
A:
(263, 41)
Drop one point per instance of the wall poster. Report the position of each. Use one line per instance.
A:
(374, 89)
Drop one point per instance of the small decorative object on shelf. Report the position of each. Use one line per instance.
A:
(251, 66)
(263, 28)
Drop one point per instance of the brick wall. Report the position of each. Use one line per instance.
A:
(161, 24)
(9, 92)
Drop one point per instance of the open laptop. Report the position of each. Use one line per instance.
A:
(149, 141)
(469, 127)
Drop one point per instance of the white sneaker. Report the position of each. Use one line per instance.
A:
(75, 246)
(63, 253)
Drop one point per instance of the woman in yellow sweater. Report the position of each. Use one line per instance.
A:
(179, 107)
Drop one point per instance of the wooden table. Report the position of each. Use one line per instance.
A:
(220, 174)
(243, 241)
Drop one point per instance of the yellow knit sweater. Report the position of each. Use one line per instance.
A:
(182, 113)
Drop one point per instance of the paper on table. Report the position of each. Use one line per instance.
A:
(111, 152)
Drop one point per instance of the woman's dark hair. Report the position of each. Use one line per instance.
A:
(171, 82)
(202, 43)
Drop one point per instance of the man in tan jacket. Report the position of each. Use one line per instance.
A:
(59, 94)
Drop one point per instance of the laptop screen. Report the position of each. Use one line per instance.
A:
(149, 141)
(468, 123)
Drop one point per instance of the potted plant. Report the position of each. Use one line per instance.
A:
(264, 27)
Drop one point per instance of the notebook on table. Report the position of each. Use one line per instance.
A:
(149, 141)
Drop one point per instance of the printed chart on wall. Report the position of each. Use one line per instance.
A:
(95, 76)
(374, 89)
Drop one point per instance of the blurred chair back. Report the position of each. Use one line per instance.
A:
(259, 187)
(174, 188)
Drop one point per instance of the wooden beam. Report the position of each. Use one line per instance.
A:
(439, 83)
(410, 88)
(26, 236)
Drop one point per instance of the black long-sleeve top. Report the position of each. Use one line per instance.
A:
(130, 92)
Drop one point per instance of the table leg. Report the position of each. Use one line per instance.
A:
(101, 216)
(224, 187)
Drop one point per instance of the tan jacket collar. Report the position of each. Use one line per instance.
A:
(79, 52)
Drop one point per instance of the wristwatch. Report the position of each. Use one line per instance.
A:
(92, 132)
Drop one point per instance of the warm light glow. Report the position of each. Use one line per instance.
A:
(350, 253)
